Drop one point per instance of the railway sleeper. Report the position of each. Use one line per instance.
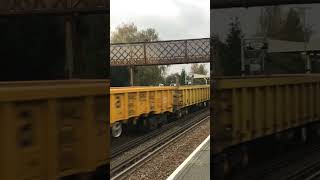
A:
(240, 156)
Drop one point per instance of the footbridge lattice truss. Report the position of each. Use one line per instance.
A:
(160, 52)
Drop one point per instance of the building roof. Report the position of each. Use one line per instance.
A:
(200, 76)
(281, 46)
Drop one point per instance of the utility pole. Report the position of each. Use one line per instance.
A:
(302, 11)
(242, 58)
(177, 80)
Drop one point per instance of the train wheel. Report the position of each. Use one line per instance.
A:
(116, 129)
(303, 135)
(317, 130)
(179, 114)
(186, 111)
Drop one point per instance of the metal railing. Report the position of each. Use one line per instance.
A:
(160, 52)
(19, 7)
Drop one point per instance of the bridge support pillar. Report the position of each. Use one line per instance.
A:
(308, 64)
(69, 46)
(131, 75)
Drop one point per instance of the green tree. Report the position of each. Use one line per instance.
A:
(149, 75)
(198, 69)
(273, 23)
(172, 78)
(148, 35)
(293, 28)
(143, 75)
(278, 25)
(183, 77)
(217, 47)
(230, 51)
(270, 21)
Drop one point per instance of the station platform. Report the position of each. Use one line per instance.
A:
(196, 166)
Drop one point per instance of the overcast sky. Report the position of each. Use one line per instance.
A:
(172, 19)
(248, 17)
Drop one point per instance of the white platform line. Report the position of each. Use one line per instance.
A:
(176, 172)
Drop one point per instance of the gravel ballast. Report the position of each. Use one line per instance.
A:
(164, 163)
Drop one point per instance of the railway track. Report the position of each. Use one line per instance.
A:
(302, 164)
(310, 170)
(314, 176)
(124, 166)
(120, 149)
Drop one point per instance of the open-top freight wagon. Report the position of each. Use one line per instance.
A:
(54, 121)
(149, 107)
(251, 108)
(253, 115)
(53, 129)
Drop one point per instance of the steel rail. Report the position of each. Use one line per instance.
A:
(137, 160)
(118, 150)
(304, 169)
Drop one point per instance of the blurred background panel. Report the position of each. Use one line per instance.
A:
(34, 48)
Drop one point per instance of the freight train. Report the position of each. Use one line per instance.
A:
(149, 107)
(252, 114)
(252, 108)
(53, 127)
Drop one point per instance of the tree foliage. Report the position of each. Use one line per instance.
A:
(230, 50)
(273, 23)
(284, 26)
(233, 47)
(198, 69)
(149, 75)
(128, 33)
(183, 77)
(172, 78)
(143, 75)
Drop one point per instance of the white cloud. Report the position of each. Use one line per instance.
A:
(172, 19)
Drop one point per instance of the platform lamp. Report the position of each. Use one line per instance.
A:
(257, 45)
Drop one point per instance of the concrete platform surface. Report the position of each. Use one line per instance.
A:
(196, 166)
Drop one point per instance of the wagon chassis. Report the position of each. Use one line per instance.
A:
(133, 162)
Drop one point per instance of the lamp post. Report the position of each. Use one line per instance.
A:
(307, 58)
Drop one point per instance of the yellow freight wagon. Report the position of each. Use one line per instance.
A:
(128, 104)
(248, 109)
(191, 95)
(53, 129)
